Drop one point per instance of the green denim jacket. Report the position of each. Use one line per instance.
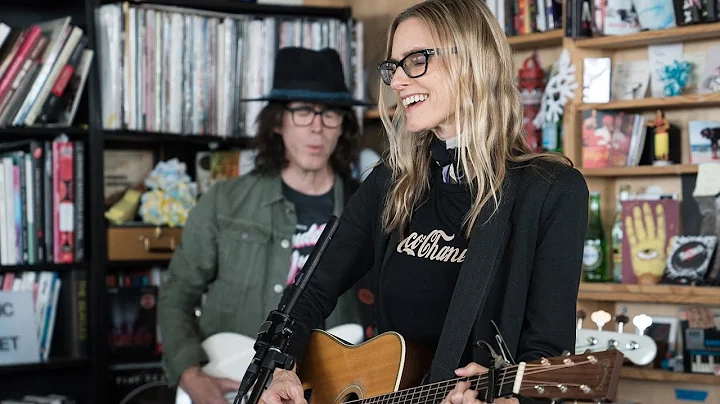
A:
(236, 249)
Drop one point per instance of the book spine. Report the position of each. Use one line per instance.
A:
(79, 199)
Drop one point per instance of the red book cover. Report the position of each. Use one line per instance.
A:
(64, 202)
(28, 44)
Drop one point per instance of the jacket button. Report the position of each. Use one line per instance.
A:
(244, 236)
(278, 288)
(285, 243)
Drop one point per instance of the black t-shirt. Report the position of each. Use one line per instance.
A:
(420, 277)
(312, 212)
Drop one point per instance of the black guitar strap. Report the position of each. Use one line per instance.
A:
(477, 273)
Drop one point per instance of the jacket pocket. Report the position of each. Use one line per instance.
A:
(243, 253)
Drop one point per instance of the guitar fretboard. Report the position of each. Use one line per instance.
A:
(436, 392)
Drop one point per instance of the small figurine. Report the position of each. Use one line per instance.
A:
(661, 139)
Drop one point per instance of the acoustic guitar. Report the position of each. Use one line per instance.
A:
(387, 369)
(229, 355)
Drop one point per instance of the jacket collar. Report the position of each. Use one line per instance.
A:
(273, 192)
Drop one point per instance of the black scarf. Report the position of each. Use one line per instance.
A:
(445, 154)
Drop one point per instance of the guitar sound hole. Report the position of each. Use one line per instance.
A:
(350, 397)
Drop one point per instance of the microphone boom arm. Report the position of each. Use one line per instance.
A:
(275, 333)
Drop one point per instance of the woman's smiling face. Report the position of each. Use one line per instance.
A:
(426, 98)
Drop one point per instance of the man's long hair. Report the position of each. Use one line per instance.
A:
(270, 158)
(488, 114)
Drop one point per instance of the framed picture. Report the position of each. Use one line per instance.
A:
(664, 331)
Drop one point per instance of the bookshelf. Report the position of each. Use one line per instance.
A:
(87, 378)
(648, 384)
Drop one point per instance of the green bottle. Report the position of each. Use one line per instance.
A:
(595, 253)
(617, 234)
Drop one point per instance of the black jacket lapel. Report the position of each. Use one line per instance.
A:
(487, 243)
(381, 314)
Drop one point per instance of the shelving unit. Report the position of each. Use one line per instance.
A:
(146, 138)
(642, 384)
(58, 365)
(640, 171)
(87, 378)
(657, 37)
(655, 375)
(677, 102)
(536, 40)
(613, 292)
(80, 266)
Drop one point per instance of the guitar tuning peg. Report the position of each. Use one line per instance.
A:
(580, 318)
(600, 317)
(565, 353)
(642, 322)
(621, 320)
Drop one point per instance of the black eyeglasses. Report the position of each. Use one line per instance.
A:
(414, 64)
(303, 116)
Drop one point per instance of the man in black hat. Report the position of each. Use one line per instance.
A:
(248, 237)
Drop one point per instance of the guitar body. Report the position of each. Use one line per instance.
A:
(229, 355)
(335, 372)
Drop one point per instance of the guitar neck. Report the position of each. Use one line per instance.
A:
(507, 381)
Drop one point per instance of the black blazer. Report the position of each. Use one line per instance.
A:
(528, 253)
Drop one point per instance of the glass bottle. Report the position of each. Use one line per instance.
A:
(595, 252)
(617, 234)
(552, 135)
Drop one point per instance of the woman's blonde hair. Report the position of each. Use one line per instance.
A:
(487, 110)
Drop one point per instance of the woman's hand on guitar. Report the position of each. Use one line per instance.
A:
(462, 394)
(285, 388)
(205, 389)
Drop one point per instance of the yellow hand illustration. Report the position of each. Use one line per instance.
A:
(647, 243)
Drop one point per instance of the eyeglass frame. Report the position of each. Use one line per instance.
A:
(315, 113)
(401, 63)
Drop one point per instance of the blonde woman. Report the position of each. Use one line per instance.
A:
(458, 206)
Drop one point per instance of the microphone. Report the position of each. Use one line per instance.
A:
(275, 332)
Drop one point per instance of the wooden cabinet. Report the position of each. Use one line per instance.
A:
(142, 243)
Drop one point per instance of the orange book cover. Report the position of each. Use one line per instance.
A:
(596, 141)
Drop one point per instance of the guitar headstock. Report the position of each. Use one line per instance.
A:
(638, 349)
(588, 377)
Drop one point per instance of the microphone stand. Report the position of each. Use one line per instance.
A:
(275, 332)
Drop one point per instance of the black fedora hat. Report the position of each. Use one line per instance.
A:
(303, 74)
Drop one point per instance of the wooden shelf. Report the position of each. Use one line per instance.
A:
(80, 266)
(659, 375)
(136, 137)
(62, 364)
(536, 40)
(671, 294)
(246, 7)
(43, 133)
(677, 102)
(655, 37)
(675, 169)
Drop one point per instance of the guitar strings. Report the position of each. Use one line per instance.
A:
(442, 388)
(439, 387)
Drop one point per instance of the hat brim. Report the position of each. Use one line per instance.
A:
(338, 99)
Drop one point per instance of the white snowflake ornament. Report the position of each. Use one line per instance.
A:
(560, 87)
